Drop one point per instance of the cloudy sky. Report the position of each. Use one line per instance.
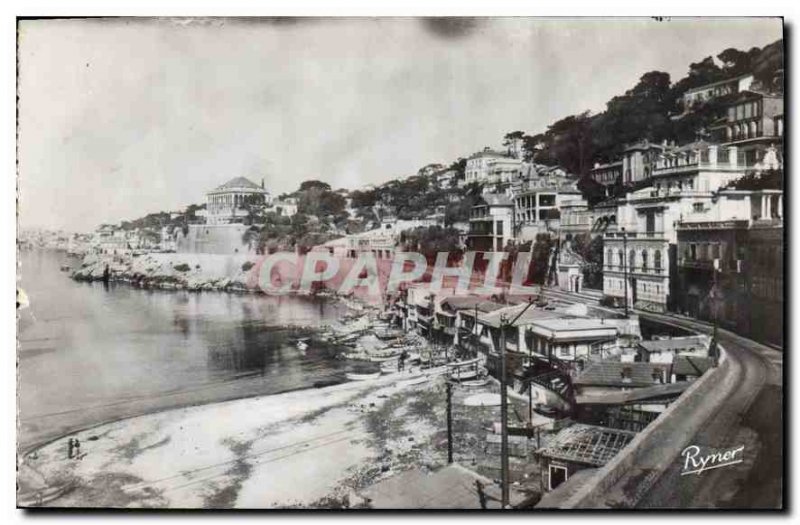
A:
(119, 118)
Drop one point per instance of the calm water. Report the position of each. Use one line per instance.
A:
(90, 353)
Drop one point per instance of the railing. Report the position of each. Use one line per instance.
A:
(634, 235)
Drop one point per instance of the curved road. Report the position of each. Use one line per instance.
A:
(751, 415)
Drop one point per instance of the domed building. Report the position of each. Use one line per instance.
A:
(227, 203)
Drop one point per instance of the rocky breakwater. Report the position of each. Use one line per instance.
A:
(174, 271)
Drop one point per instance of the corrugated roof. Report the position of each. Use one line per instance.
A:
(587, 444)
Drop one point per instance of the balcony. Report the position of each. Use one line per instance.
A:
(634, 235)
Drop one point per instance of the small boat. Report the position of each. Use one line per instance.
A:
(388, 333)
(469, 369)
(362, 376)
(483, 381)
(302, 344)
(415, 381)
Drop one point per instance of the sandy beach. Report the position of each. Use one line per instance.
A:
(307, 448)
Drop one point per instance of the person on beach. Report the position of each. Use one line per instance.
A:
(77, 446)
(70, 445)
(401, 362)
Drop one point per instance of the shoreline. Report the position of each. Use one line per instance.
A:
(299, 411)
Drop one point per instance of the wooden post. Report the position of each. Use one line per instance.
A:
(449, 422)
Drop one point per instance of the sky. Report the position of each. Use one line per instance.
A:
(123, 117)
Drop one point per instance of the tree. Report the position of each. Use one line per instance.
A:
(591, 251)
(431, 240)
(460, 167)
(736, 62)
(540, 258)
(254, 205)
(513, 142)
(567, 143)
(310, 184)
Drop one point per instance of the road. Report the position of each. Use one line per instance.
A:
(752, 415)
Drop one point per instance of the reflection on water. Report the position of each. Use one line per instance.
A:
(88, 347)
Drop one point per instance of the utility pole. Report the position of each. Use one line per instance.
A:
(715, 292)
(625, 266)
(505, 323)
(449, 386)
(503, 414)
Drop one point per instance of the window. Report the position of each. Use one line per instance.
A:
(698, 207)
(715, 251)
(632, 259)
(692, 252)
(644, 260)
(547, 200)
(498, 227)
(620, 258)
(609, 257)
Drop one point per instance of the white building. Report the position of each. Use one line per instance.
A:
(227, 203)
(489, 166)
(491, 223)
(285, 207)
(641, 243)
(444, 179)
(702, 94)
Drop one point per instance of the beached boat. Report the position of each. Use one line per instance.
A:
(362, 376)
(388, 333)
(474, 383)
(469, 369)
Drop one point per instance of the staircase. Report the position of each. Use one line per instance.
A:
(552, 374)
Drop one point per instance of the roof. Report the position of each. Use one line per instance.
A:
(676, 344)
(239, 182)
(469, 302)
(615, 164)
(587, 444)
(562, 324)
(451, 487)
(610, 373)
(717, 83)
(487, 152)
(687, 365)
(497, 199)
(643, 145)
(635, 395)
(531, 315)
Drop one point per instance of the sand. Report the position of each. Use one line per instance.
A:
(305, 448)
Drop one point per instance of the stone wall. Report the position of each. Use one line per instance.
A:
(223, 239)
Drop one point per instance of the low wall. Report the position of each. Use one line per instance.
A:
(669, 434)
